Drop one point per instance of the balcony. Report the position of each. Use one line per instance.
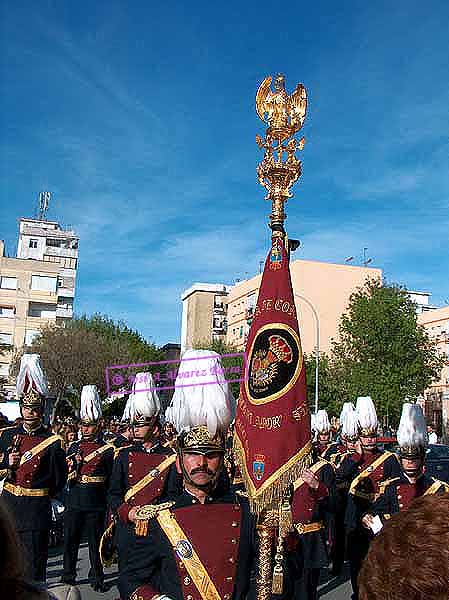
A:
(63, 291)
(63, 312)
(68, 252)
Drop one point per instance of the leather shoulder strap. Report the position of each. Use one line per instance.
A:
(97, 452)
(368, 470)
(314, 468)
(39, 447)
(149, 477)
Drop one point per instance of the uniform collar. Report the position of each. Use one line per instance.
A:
(38, 431)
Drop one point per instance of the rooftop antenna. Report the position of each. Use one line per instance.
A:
(366, 260)
(44, 199)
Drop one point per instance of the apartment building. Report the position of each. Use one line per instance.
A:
(203, 314)
(37, 286)
(436, 406)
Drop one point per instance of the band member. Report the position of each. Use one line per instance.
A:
(363, 470)
(124, 434)
(313, 509)
(33, 464)
(349, 436)
(337, 449)
(201, 543)
(396, 494)
(90, 461)
(322, 427)
(141, 470)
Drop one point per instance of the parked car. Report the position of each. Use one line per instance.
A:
(437, 462)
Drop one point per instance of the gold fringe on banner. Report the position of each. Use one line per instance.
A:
(271, 493)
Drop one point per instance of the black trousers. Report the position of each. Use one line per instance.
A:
(357, 547)
(74, 523)
(35, 548)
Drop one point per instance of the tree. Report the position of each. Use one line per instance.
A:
(328, 390)
(383, 352)
(234, 365)
(79, 352)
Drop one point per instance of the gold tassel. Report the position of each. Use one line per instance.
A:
(272, 495)
(278, 571)
(141, 527)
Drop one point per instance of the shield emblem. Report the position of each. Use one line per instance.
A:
(259, 466)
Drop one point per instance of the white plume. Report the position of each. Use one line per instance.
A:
(144, 399)
(412, 430)
(322, 424)
(90, 409)
(366, 413)
(202, 395)
(31, 375)
(349, 423)
(347, 407)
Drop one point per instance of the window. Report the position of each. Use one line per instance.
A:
(6, 338)
(43, 284)
(51, 258)
(241, 331)
(4, 370)
(8, 283)
(43, 311)
(7, 312)
(30, 336)
(53, 242)
(33, 244)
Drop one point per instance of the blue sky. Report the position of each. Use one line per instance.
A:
(139, 118)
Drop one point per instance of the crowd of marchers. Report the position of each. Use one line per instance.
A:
(162, 495)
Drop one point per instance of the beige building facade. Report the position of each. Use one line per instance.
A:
(322, 292)
(36, 287)
(436, 397)
(203, 314)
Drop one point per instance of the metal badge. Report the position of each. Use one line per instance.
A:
(184, 549)
(27, 455)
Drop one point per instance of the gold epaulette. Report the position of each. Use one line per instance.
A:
(6, 428)
(436, 487)
(145, 513)
(383, 485)
(119, 449)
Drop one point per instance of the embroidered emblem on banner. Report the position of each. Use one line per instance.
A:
(184, 549)
(275, 361)
(276, 255)
(259, 466)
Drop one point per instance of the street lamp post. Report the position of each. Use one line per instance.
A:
(317, 347)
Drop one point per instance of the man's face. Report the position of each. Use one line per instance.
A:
(323, 438)
(412, 466)
(88, 431)
(350, 444)
(31, 415)
(147, 432)
(202, 469)
(368, 442)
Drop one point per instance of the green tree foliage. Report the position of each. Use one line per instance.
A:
(234, 362)
(328, 391)
(383, 352)
(79, 352)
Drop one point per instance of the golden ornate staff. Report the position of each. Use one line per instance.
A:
(285, 116)
(277, 172)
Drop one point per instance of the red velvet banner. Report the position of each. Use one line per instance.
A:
(272, 426)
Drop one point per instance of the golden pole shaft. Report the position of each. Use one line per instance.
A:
(264, 581)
